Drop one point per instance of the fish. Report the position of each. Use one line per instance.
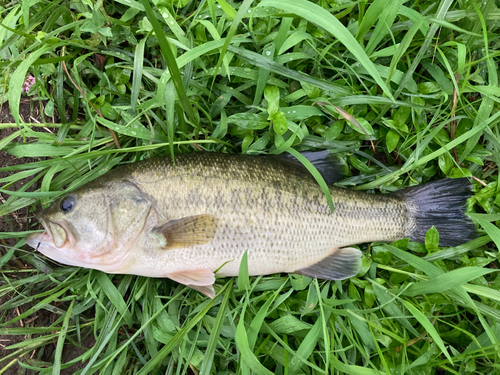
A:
(194, 217)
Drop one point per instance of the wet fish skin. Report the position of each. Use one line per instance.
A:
(185, 221)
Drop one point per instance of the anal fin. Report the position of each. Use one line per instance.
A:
(341, 264)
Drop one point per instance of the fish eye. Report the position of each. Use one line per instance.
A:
(67, 204)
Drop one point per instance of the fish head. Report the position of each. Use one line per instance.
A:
(93, 227)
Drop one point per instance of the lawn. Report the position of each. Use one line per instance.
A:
(401, 92)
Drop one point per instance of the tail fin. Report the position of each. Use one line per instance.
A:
(440, 203)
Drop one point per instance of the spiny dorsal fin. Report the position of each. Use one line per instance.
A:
(327, 165)
(341, 264)
(188, 231)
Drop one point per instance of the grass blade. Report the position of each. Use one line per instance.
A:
(208, 358)
(114, 296)
(247, 355)
(17, 80)
(153, 362)
(232, 30)
(137, 77)
(243, 278)
(446, 281)
(492, 230)
(319, 16)
(166, 51)
(319, 178)
(422, 319)
(266, 63)
(56, 368)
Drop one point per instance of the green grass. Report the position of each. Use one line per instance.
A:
(401, 92)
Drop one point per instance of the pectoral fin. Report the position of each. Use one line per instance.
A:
(188, 231)
(200, 280)
(339, 265)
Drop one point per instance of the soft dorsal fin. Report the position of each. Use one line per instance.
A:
(339, 265)
(326, 164)
(188, 231)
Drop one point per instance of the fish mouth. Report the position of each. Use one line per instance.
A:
(36, 239)
(59, 243)
(56, 235)
(55, 242)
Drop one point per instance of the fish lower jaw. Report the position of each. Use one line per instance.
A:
(71, 257)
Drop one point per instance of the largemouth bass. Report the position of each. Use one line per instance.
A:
(186, 220)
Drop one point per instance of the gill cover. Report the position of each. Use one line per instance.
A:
(129, 209)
